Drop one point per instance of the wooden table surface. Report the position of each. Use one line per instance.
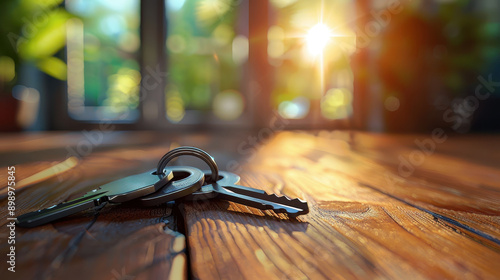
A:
(381, 206)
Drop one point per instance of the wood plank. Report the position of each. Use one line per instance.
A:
(465, 191)
(366, 220)
(127, 242)
(359, 226)
(433, 188)
(114, 243)
(360, 234)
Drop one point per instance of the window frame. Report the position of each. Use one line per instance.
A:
(258, 111)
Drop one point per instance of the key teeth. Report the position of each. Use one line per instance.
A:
(275, 209)
(295, 200)
(278, 203)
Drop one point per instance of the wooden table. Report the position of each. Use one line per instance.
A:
(381, 206)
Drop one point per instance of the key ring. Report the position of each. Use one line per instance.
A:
(189, 151)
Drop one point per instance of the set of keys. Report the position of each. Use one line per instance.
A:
(171, 183)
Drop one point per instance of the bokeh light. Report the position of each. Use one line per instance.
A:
(336, 104)
(208, 11)
(176, 43)
(275, 49)
(276, 44)
(7, 69)
(298, 108)
(28, 106)
(123, 91)
(282, 3)
(240, 49)
(175, 5)
(392, 103)
(129, 42)
(223, 34)
(175, 106)
(228, 105)
(112, 25)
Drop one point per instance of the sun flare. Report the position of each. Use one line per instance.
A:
(317, 38)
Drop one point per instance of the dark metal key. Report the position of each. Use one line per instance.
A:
(118, 191)
(226, 188)
(186, 180)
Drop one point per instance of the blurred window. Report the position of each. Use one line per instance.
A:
(103, 44)
(309, 45)
(208, 45)
(207, 48)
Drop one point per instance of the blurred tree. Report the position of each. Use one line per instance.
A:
(430, 56)
(31, 31)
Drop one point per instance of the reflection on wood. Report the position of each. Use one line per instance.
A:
(55, 169)
(116, 242)
(366, 220)
(439, 218)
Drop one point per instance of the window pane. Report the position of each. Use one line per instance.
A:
(309, 44)
(207, 47)
(103, 71)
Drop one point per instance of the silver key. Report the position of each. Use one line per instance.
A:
(186, 180)
(226, 188)
(118, 191)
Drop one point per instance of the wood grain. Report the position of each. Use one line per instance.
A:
(113, 242)
(366, 220)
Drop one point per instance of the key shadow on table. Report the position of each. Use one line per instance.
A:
(229, 214)
(124, 219)
(127, 218)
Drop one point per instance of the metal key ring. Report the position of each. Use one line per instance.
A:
(189, 151)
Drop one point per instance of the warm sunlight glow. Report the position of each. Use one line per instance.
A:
(317, 38)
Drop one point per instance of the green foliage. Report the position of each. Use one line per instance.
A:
(34, 30)
(203, 66)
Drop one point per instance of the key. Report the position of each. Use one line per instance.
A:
(186, 180)
(226, 188)
(118, 191)
(190, 151)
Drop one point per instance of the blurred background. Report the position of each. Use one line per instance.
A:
(390, 66)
